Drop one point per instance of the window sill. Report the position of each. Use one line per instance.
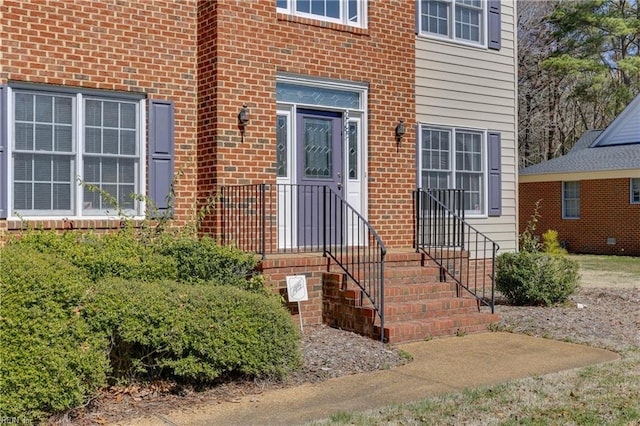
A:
(98, 223)
(450, 41)
(284, 17)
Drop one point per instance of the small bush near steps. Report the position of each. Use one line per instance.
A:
(539, 274)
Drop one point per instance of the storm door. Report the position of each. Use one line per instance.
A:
(319, 164)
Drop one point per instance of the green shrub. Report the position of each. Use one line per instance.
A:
(527, 278)
(195, 333)
(50, 360)
(204, 260)
(551, 245)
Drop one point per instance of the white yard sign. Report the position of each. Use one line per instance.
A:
(297, 291)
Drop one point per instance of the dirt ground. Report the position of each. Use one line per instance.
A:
(591, 279)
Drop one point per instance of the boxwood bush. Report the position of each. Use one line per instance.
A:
(536, 278)
(50, 360)
(192, 333)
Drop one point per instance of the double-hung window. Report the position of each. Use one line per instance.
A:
(462, 20)
(635, 190)
(346, 12)
(571, 200)
(58, 139)
(454, 158)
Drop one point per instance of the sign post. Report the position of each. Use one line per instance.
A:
(297, 292)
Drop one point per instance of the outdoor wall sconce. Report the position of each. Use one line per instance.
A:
(400, 132)
(243, 119)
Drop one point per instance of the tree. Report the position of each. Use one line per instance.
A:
(579, 66)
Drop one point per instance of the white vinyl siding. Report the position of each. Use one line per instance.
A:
(461, 86)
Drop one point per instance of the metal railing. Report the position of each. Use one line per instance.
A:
(460, 250)
(287, 218)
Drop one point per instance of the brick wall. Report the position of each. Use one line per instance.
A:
(144, 47)
(251, 43)
(605, 212)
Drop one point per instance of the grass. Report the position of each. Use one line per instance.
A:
(603, 394)
(624, 264)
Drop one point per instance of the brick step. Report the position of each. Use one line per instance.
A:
(434, 308)
(400, 292)
(408, 331)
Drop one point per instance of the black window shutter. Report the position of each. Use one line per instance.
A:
(160, 154)
(495, 178)
(3, 152)
(495, 25)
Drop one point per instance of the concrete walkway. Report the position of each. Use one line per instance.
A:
(439, 366)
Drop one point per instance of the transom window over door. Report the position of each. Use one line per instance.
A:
(347, 12)
(452, 158)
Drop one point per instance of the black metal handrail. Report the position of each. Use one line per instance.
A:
(460, 250)
(288, 218)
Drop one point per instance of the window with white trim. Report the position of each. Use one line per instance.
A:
(454, 158)
(460, 20)
(57, 139)
(347, 12)
(571, 200)
(635, 190)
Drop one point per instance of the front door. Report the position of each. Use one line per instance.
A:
(319, 164)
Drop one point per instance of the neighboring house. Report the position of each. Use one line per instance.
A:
(269, 104)
(591, 195)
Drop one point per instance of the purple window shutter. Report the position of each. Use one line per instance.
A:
(160, 154)
(495, 178)
(495, 25)
(3, 152)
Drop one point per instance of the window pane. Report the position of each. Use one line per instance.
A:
(571, 200)
(126, 196)
(468, 23)
(353, 10)
(303, 5)
(92, 113)
(42, 168)
(110, 115)
(91, 200)
(91, 170)
(127, 171)
(111, 192)
(282, 4)
(22, 167)
(635, 190)
(128, 116)
(24, 136)
(110, 141)
(44, 109)
(332, 9)
(127, 142)
(109, 170)
(61, 196)
(317, 148)
(281, 146)
(61, 169)
(63, 108)
(353, 150)
(92, 140)
(22, 196)
(42, 196)
(24, 107)
(44, 137)
(63, 136)
(435, 16)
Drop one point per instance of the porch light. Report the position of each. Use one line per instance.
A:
(243, 119)
(400, 132)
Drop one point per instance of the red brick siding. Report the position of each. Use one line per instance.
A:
(135, 46)
(605, 212)
(252, 43)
